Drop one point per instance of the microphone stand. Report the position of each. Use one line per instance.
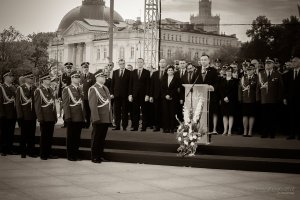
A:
(191, 90)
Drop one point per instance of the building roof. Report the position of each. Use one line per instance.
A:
(92, 10)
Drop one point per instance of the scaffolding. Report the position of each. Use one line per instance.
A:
(152, 15)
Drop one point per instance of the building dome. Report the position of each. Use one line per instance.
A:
(90, 9)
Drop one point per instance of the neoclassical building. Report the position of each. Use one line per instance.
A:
(83, 36)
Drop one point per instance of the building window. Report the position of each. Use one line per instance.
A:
(168, 37)
(206, 40)
(172, 37)
(202, 40)
(104, 53)
(180, 38)
(169, 54)
(176, 37)
(98, 54)
(122, 52)
(192, 39)
(132, 52)
(164, 36)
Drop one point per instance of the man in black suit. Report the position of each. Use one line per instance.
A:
(292, 98)
(155, 93)
(139, 93)
(209, 76)
(87, 79)
(119, 92)
(181, 73)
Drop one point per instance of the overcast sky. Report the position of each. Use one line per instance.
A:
(30, 16)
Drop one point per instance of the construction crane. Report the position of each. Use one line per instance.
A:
(152, 16)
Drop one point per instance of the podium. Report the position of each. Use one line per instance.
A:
(192, 97)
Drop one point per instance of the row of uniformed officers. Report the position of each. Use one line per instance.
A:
(28, 104)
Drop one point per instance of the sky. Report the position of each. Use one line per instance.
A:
(30, 16)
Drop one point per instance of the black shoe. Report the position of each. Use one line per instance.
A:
(3, 154)
(53, 157)
(263, 136)
(116, 128)
(291, 138)
(143, 129)
(96, 160)
(134, 129)
(33, 155)
(104, 160)
(272, 136)
(23, 156)
(44, 158)
(72, 159)
(156, 130)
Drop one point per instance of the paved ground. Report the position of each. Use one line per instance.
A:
(32, 178)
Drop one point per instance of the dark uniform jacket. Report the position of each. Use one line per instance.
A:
(87, 81)
(100, 104)
(273, 93)
(72, 104)
(139, 86)
(248, 95)
(120, 85)
(44, 104)
(7, 107)
(65, 80)
(172, 89)
(25, 102)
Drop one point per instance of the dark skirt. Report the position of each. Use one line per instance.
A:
(249, 109)
(228, 109)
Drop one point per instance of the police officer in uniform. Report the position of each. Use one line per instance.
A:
(87, 79)
(74, 115)
(65, 80)
(101, 115)
(270, 94)
(44, 104)
(8, 94)
(26, 115)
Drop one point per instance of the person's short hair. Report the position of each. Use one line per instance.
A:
(204, 54)
(121, 60)
(141, 59)
(170, 67)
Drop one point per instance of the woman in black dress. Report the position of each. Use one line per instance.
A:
(228, 89)
(170, 98)
(247, 96)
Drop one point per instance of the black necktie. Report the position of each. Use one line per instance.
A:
(139, 74)
(161, 74)
(190, 77)
(121, 73)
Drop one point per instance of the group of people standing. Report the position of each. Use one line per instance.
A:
(157, 96)
(28, 104)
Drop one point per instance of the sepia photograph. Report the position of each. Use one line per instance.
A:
(149, 99)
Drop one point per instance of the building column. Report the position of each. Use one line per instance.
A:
(66, 55)
(89, 55)
(74, 54)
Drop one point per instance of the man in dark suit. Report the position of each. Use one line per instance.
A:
(65, 80)
(292, 98)
(270, 94)
(139, 88)
(44, 104)
(155, 93)
(7, 104)
(119, 92)
(87, 79)
(101, 115)
(209, 75)
(26, 115)
(74, 115)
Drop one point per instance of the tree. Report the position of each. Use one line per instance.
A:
(227, 54)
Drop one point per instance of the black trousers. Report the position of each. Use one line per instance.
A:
(294, 119)
(47, 129)
(8, 130)
(269, 119)
(157, 121)
(87, 113)
(121, 111)
(73, 139)
(139, 105)
(169, 111)
(98, 139)
(28, 128)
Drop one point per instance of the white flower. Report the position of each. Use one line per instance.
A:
(179, 139)
(195, 136)
(184, 134)
(191, 137)
(192, 143)
(186, 142)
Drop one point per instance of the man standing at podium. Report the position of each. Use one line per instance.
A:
(209, 76)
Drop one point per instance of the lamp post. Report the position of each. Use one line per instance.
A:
(111, 29)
